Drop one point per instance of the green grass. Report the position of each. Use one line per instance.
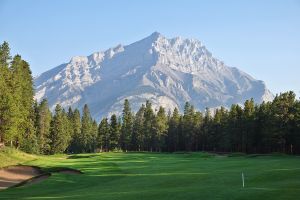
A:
(11, 156)
(165, 176)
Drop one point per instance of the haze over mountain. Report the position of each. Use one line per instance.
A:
(168, 72)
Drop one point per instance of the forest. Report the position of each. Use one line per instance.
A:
(31, 126)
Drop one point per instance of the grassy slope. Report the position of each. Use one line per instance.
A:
(165, 176)
(10, 156)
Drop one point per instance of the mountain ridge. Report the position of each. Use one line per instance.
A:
(168, 72)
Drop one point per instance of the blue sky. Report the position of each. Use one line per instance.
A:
(259, 37)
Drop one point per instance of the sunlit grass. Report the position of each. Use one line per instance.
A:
(11, 156)
(165, 176)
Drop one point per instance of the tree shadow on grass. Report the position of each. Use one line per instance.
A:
(81, 156)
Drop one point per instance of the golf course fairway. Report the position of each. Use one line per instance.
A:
(154, 176)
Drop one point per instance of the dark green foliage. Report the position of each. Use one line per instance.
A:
(93, 137)
(16, 102)
(188, 127)
(148, 127)
(294, 137)
(88, 132)
(4, 54)
(138, 137)
(268, 127)
(104, 140)
(283, 108)
(160, 130)
(59, 135)
(6, 98)
(114, 133)
(127, 124)
(75, 121)
(42, 124)
(173, 132)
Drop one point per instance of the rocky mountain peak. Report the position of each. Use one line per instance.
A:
(168, 72)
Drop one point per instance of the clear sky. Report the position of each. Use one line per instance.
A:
(260, 37)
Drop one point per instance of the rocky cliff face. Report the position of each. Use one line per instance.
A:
(168, 72)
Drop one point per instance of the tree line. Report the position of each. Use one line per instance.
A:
(249, 128)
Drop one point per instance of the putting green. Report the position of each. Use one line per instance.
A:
(164, 176)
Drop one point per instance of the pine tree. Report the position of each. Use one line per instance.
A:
(172, 139)
(137, 138)
(235, 128)
(160, 130)
(43, 121)
(263, 128)
(114, 133)
(16, 102)
(12, 116)
(148, 131)
(283, 112)
(248, 120)
(218, 139)
(104, 135)
(59, 135)
(76, 144)
(4, 54)
(295, 137)
(94, 135)
(86, 136)
(5, 93)
(127, 124)
(68, 129)
(206, 130)
(188, 126)
(22, 127)
(197, 122)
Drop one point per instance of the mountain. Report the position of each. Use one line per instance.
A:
(168, 72)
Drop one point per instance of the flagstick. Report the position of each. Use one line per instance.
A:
(243, 179)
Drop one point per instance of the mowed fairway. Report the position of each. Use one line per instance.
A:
(165, 176)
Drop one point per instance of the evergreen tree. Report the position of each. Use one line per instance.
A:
(217, 139)
(43, 121)
(17, 120)
(263, 128)
(104, 135)
(4, 54)
(114, 133)
(22, 124)
(5, 93)
(172, 139)
(283, 112)
(137, 138)
(148, 127)
(188, 126)
(86, 136)
(206, 130)
(59, 136)
(295, 137)
(160, 130)
(16, 102)
(127, 124)
(197, 130)
(68, 129)
(235, 128)
(248, 120)
(76, 144)
(94, 136)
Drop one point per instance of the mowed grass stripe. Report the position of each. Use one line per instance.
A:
(165, 176)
